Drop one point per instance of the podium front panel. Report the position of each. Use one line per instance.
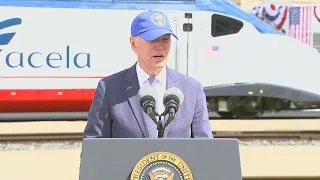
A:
(154, 159)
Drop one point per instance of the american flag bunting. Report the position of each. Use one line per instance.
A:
(300, 24)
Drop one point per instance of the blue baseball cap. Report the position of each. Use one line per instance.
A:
(150, 25)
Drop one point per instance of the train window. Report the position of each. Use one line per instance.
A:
(223, 25)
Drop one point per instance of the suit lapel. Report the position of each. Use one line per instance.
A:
(172, 81)
(172, 78)
(131, 88)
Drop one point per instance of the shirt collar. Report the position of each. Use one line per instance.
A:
(143, 76)
(162, 76)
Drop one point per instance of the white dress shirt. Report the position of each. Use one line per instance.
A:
(159, 84)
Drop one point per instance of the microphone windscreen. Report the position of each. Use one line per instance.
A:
(147, 93)
(173, 93)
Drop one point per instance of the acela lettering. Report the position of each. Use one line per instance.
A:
(51, 60)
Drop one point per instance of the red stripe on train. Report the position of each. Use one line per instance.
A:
(46, 100)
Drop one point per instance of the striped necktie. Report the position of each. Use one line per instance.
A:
(152, 127)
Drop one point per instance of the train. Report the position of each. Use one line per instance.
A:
(53, 54)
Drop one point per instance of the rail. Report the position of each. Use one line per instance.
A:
(303, 129)
(57, 116)
(42, 137)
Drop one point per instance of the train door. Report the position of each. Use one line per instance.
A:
(216, 40)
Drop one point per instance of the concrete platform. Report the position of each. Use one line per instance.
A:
(256, 161)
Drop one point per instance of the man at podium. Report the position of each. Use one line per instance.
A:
(117, 112)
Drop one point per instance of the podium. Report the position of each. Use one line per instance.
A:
(160, 159)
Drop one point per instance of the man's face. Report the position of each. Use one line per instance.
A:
(152, 54)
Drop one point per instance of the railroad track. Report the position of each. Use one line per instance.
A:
(41, 137)
(58, 116)
(244, 130)
(242, 136)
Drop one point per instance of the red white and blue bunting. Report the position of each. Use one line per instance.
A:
(275, 14)
(258, 11)
(317, 12)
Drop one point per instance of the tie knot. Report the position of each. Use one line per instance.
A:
(151, 80)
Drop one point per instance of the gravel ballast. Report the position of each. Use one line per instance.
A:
(77, 145)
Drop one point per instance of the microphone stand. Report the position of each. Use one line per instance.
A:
(160, 126)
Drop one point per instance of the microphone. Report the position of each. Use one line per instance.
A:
(147, 100)
(172, 100)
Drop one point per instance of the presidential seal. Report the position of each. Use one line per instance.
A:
(161, 166)
(158, 19)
